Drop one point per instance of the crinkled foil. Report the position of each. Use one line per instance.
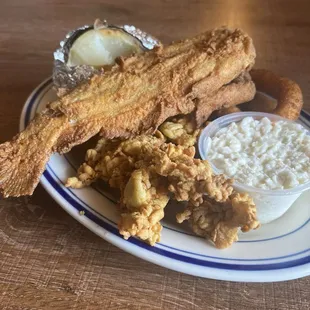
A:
(66, 78)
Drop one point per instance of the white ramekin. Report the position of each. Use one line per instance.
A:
(270, 204)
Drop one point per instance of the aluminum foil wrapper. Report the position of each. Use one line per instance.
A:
(67, 77)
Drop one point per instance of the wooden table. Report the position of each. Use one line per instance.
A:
(47, 259)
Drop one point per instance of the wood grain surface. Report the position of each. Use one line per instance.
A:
(50, 261)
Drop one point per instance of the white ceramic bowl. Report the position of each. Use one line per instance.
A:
(270, 204)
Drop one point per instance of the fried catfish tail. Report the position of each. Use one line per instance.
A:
(23, 160)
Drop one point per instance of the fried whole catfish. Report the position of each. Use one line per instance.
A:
(133, 98)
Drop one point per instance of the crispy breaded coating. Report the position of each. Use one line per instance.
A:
(143, 202)
(181, 130)
(220, 222)
(149, 172)
(240, 90)
(189, 178)
(115, 160)
(224, 111)
(134, 97)
(287, 92)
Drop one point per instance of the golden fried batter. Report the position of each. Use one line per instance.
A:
(224, 111)
(189, 179)
(287, 92)
(181, 131)
(115, 160)
(143, 203)
(134, 97)
(220, 222)
(240, 90)
(149, 172)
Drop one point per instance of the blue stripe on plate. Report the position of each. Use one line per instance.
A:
(186, 259)
(82, 204)
(179, 231)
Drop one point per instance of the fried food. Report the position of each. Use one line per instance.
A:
(133, 98)
(121, 164)
(142, 206)
(224, 111)
(22, 160)
(260, 103)
(287, 93)
(181, 130)
(149, 171)
(189, 178)
(240, 90)
(220, 222)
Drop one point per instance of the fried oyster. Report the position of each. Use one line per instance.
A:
(149, 171)
(220, 222)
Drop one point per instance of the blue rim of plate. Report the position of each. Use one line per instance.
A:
(50, 177)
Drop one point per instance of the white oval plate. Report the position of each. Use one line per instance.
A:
(276, 252)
